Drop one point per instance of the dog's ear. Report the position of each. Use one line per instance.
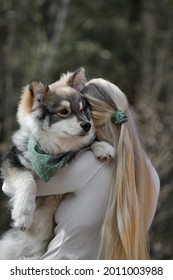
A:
(32, 98)
(38, 92)
(78, 79)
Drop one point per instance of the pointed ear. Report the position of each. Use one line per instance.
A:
(38, 91)
(78, 79)
(32, 98)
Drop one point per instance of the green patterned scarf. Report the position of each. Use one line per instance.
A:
(46, 165)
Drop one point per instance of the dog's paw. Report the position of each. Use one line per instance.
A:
(23, 258)
(23, 221)
(27, 258)
(36, 256)
(22, 217)
(102, 150)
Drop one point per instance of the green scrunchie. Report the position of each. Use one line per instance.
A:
(119, 117)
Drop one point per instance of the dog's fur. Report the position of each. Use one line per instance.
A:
(57, 118)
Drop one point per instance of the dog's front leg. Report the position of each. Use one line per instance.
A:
(103, 150)
(23, 201)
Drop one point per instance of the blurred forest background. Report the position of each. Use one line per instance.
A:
(128, 42)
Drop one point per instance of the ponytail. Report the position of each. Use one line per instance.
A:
(130, 203)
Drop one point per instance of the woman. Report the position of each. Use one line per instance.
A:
(111, 204)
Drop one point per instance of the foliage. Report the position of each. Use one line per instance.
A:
(128, 42)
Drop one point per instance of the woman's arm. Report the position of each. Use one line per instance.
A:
(69, 179)
(73, 177)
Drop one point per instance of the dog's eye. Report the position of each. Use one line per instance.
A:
(63, 112)
(85, 105)
(83, 111)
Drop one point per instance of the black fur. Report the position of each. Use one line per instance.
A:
(12, 156)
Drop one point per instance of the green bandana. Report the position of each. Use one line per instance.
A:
(119, 117)
(46, 165)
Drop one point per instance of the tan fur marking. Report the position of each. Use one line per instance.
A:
(27, 101)
(25, 104)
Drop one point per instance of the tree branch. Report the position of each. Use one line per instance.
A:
(54, 42)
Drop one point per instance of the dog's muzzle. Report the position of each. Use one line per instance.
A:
(85, 126)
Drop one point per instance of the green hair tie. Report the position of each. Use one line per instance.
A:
(119, 117)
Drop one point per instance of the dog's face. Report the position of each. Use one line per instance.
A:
(67, 116)
(58, 113)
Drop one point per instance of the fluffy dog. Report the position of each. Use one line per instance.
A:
(53, 121)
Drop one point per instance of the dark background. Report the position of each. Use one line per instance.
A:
(128, 42)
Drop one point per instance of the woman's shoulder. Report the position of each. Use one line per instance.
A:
(84, 167)
(89, 158)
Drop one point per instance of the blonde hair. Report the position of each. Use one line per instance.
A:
(125, 228)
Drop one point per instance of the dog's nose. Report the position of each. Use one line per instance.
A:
(85, 125)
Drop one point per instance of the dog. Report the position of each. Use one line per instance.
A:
(53, 120)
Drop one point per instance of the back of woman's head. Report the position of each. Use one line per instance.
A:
(105, 98)
(132, 187)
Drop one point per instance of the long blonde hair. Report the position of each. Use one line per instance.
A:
(124, 232)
